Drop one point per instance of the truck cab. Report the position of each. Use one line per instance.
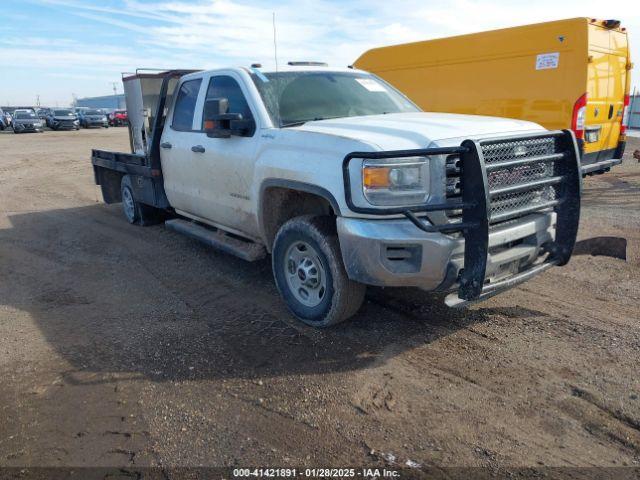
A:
(346, 183)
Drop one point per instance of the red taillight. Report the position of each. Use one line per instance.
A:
(578, 119)
(625, 116)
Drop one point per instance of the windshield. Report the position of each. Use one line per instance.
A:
(93, 112)
(24, 115)
(293, 98)
(62, 113)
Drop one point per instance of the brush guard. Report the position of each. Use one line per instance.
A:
(480, 200)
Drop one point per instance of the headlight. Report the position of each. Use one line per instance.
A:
(76, 121)
(395, 182)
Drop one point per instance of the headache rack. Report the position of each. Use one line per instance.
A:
(492, 181)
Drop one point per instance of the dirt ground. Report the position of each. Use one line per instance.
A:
(130, 347)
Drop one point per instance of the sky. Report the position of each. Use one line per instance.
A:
(56, 49)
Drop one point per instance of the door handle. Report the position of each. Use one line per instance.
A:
(197, 149)
(166, 145)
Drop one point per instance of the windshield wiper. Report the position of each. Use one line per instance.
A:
(302, 122)
(293, 124)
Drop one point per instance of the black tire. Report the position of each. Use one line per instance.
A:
(135, 212)
(342, 297)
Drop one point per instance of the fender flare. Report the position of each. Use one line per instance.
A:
(292, 185)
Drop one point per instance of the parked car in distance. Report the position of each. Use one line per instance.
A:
(26, 121)
(43, 113)
(93, 118)
(118, 118)
(3, 121)
(8, 119)
(63, 119)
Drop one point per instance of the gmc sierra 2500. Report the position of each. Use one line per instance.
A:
(345, 183)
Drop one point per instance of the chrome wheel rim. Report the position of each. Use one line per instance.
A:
(128, 204)
(305, 274)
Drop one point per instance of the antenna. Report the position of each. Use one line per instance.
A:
(275, 42)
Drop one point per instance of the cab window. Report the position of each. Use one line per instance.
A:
(224, 86)
(186, 105)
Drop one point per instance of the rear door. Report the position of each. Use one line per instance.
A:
(179, 166)
(606, 88)
(617, 88)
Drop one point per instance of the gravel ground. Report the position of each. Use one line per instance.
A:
(123, 346)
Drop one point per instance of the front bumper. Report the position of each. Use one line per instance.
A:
(26, 128)
(96, 123)
(394, 253)
(64, 125)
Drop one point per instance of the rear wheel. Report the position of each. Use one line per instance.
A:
(308, 270)
(135, 212)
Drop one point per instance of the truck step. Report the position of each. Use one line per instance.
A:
(218, 239)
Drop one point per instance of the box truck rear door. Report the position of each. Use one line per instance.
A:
(605, 91)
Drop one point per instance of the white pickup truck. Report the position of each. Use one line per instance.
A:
(345, 182)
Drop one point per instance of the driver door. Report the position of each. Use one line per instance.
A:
(226, 165)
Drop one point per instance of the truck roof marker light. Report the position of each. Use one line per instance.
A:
(578, 119)
(260, 75)
(625, 115)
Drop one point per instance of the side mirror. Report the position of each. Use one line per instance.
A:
(217, 122)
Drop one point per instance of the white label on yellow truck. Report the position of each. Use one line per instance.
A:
(547, 60)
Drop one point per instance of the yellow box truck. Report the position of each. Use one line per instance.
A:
(564, 74)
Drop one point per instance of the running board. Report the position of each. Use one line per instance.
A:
(218, 239)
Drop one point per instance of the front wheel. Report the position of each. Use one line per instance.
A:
(309, 274)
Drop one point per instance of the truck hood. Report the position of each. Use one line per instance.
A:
(417, 130)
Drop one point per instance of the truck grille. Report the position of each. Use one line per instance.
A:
(520, 176)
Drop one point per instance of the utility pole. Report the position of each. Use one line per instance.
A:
(38, 100)
(115, 94)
